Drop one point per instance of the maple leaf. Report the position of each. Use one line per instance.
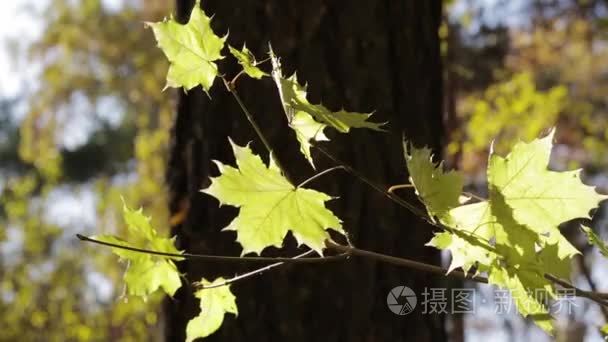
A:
(191, 50)
(513, 236)
(270, 205)
(523, 285)
(440, 191)
(215, 303)
(247, 60)
(307, 129)
(146, 273)
(301, 114)
(468, 240)
(541, 199)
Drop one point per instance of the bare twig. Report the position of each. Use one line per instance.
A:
(255, 272)
(424, 267)
(256, 128)
(587, 274)
(415, 210)
(219, 258)
(345, 251)
(416, 265)
(594, 296)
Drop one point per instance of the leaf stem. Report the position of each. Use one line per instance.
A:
(232, 83)
(320, 174)
(399, 186)
(255, 272)
(231, 88)
(416, 211)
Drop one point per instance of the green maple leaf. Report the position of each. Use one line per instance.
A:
(541, 199)
(192, 50)
(247, 60)
(270, 205)
(468, 240)
(301, 113)
(595, 240)
(440, 191)
(146, 273)
(604, 330)
(215, 303)
(513, 236)
(307, 129)
(523, 286)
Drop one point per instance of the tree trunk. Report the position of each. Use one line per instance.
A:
(364, 55)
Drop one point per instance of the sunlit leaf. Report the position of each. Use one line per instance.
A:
(215, 303)
(145, 273)
(192, 50)
(439, 190)
(540, 199)
(247, 61)
(595, 240)
(514, 235)
(270, 205)
(301, 114)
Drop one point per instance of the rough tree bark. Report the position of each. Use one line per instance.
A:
(364, 55)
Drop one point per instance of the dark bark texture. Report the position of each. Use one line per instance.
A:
(361, 55)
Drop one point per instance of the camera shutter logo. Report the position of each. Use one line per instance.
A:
(401, 300)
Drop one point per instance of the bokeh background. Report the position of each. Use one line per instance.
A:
(82, 123)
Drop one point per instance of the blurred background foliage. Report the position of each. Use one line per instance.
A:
(94, 126)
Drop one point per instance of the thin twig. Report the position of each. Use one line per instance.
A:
(416, 265)
(206, 257)
(424, 267)
(232, 83)
(322, 173)
(345, 252)
(577, 292)
(255, 272)
(416, 211)
(256, 128)
(587, 274)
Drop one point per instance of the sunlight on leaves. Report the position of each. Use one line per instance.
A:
(596, 241)
(309, 120)
(145, 273)
(247, 61)
(191, 49)
(270, 205)
(513, 236)
(215, 304)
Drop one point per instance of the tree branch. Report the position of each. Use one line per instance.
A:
(345, 252)
(255, 272)
(219, 258)
(416, 265)
(231, 88)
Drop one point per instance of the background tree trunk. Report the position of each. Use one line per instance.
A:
(364, 55)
